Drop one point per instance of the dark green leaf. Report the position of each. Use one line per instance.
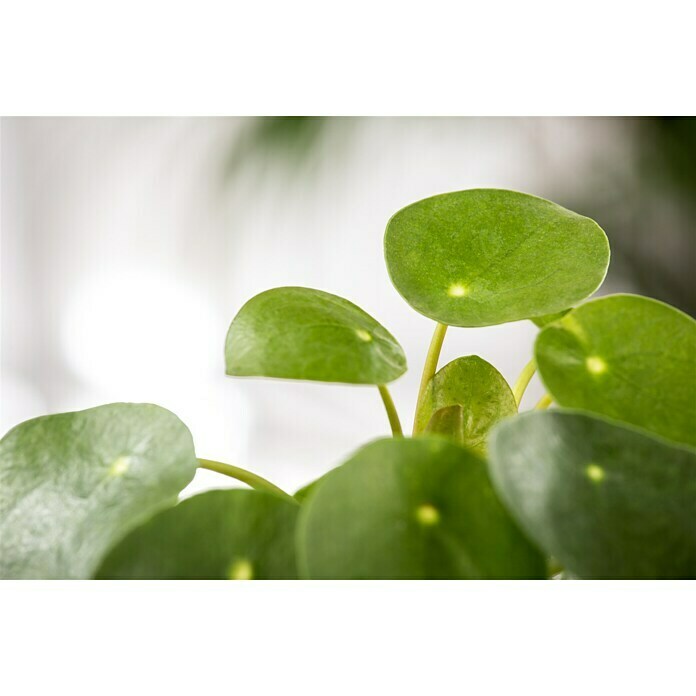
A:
(487, 256)
(73, 484)
(626, 357)
(411, 508)
(234, 534)
(606, 500)
(299, 333)
(479, 391)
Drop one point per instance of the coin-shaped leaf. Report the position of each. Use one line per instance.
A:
(488, 256)
(299, 333)
(73, 484)
(233, 534)
(464, 400)
(626, 357)
(411, 508)
(605, 500)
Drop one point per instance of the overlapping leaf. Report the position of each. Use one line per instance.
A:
(626, 357)
(300, 333)
(488, 256)
(606, 500)
(411, 508)
(73, 484)
(219, 535)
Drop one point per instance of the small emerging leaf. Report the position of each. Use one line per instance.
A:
(233, 534)
(626, 357)
(299, 333)
(488, 256)
(73, 484)
(607, 501)
(464, 400)
(411, 508)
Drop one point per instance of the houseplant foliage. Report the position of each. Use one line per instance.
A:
(602, 485)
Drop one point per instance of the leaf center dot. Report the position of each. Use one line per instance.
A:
(119, 466)
(595, 473)
(457, 290)
(241, 569)
(427, 515)
(595, 365)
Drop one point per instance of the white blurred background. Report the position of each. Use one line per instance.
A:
(128, 245)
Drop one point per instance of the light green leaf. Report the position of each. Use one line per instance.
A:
(626, 357)
(299, 333)
(73, 484)
(479, 391)
(606, 500)
(547, 319)
(488, 256)
(234, 534)
(411, 508)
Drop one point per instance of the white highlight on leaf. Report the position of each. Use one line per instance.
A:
(363, 335)
(119, 466)
(457, 290)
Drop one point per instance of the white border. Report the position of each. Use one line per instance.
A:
(335, 638)
(367, 57)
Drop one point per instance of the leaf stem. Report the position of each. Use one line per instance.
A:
(523, 380)
(392, 413)
(430, 367)
(544, 402)
(235, 472)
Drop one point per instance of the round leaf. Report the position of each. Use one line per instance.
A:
(411, 508)
(626, 357)
(464, 400)
(488, 256)
(299, 333)
(607, 501)
(234, 534)
(73, 484)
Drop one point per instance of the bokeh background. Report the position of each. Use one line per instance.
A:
(128, 245)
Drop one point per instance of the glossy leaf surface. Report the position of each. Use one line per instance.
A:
(606, 500)
(627, 357)
(73, 484)
(489, 256)
(411, 508)
(300, 333)
(235, 534)
(464, 400)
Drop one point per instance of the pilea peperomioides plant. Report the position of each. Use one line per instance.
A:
(603, 485)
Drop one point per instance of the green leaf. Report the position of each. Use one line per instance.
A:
(299, 333)
(235, 534)
(411, 508)
(303, 493)
(627, 357)
(547, 319)
(479, 391)
(73, 484)
(606, 500)
(488, 256)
